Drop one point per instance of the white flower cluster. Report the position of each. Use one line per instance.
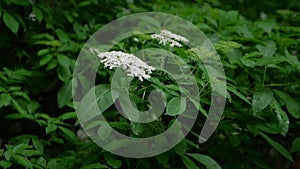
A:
(132, 65)
(165, 37)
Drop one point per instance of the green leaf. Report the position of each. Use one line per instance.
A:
(94, 166)
(70, 134)
(38, 13)
(64, 94)
(50, 128)
(5, 164)
(261, 99)
(112, 161)
(267, 25)
(11, 22)
(88, 106)
(176, 106)
(42, 162)
(22, 161)
(282, 118)
(38, 145)
(20, 2)
(68, 115)
(181, 148)
(268, 49)
(5, 99)
(189, 163)
(293, 106)
(45, 59)
(208, 162)
(163, 158)
(237, 93)
(104, 130)
(296, 145)
(277, 146)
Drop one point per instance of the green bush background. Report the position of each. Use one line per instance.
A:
(260, 125)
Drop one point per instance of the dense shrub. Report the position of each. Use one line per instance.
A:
(258, 43)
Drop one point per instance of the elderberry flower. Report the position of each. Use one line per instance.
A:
(132, 65)
(165, 37)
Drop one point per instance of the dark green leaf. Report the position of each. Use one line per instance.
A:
(64, 94)
(277, 146)
(296, 145)
(189, 163)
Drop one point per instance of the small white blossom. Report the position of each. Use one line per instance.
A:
(132, 65)
(32, 16)
(165, 37)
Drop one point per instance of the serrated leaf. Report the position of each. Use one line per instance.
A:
(277, 146)
(208, 162)
(176, 106)
(64, 94)
(11, 22)
(261, 99)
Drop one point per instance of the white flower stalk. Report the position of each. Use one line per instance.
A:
(132, 65)
(166, 37)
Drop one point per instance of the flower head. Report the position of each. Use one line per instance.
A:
(165, 37)
(132, 65)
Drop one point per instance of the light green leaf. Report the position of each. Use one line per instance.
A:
(208, 162)
(189, 163)
(38, 13)
(176, 106)
(11, 22)
(277, 146)
(88, 106)
(296, 145)
(268, 49)
(261, 99)
(64, 94)
(104, 130)
(5, 99)
(5, 164)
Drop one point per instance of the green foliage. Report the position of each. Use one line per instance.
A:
(40, 41)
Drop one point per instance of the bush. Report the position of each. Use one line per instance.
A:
(259, 49)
